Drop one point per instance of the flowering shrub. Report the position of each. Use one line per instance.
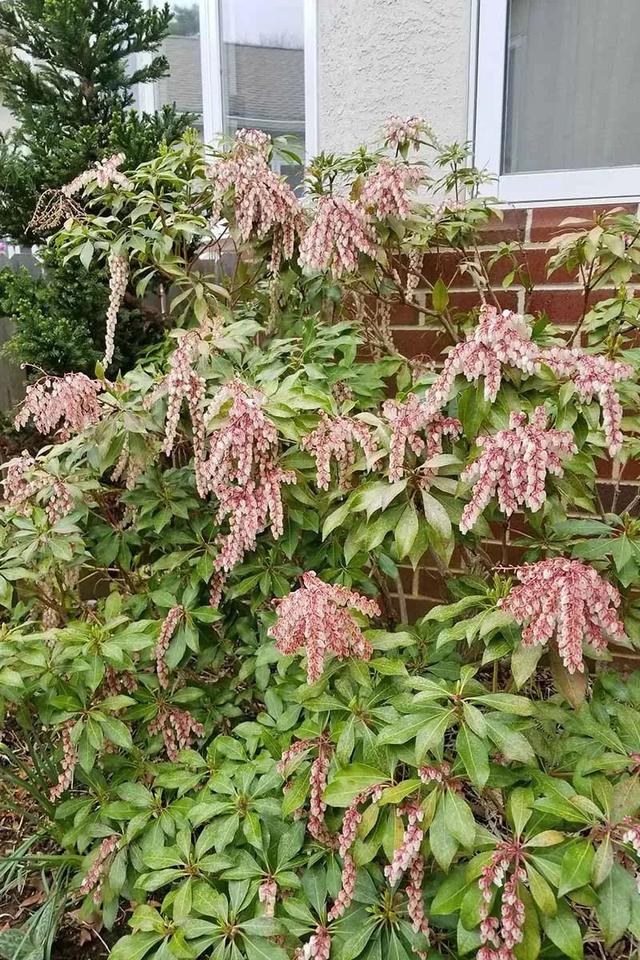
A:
(230, 740)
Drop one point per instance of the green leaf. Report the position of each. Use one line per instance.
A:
(460, 820)
(614, 906)
(564, 931)
(259, 948)
(351, 781)
(436, 515)
(443, 844)
(117, 732)
(406, 530)
(450, 893)
(575, 869)
(474, 755)
(429, 738)
(519, 808)
(135, 946)
(440, 295)
(541, 891)
(524, 661)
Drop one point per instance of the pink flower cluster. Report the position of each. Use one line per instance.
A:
(167, 630)
(498, 338)
(385, 189)
(69, 761)
(504, 338)
(398, 132)
(415, 903)
(409, 849)
(264, 203)
(318, 617)
(505, 932)
(318, 781)
(346, 840)
(408, 420)
(594, 375)
(338, 233)
(316, 824)
(20, 489)
(96, 874)
(567, 598)
(515, 463)
(292, 753)
(632, 833)
(318, 947)
(267, 893)
(118, 279)
(183, 383)
(104, 172)
(178, 729)
(440, 773)
(243, 473)
(119, 681)
(335, 438)
(67, 404)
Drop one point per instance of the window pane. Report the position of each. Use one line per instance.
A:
(263, 66)
(183, 85)
(573, 89)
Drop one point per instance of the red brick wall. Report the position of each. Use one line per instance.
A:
(560, 295)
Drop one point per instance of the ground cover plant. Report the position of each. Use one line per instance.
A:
(221, 733)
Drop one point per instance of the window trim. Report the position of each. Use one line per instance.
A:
(606, 183)
(211, 66)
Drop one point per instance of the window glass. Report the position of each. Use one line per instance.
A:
(572, 97)
(183, 85)
(263, 67)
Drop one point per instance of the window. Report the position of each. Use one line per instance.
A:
(558, 98)
(242, 64)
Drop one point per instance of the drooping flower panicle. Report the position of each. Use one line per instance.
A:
(498, 338)
(104, 172)
(337, 235)
(335, 437)
(386, 189)
(118, 279)
(167, 630)
(399, 131)
(514, 464)
(96, 874)
(264, 203)
(178, 729)
(505, 932)
(567, 599)
(69, 761)
(594, 375)
(66, 405)
(409, 849)
(243, 473)
(408, 420)
(318, 618)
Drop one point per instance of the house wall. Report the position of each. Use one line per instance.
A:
(382, 57)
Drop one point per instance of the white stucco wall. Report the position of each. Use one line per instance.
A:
(382, 57)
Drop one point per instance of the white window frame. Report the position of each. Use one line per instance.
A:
(211, 61)
(606, 183)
